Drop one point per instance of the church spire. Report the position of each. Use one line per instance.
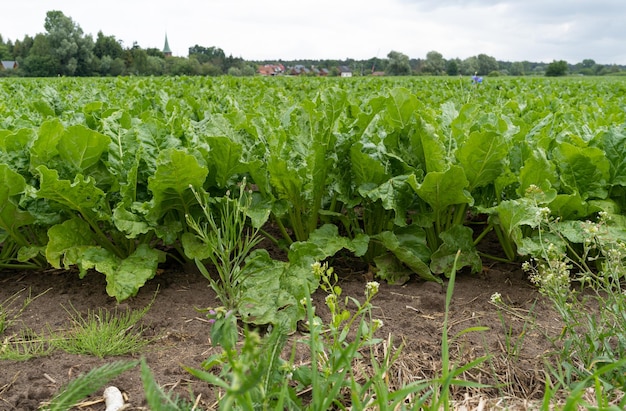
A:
(166, 48)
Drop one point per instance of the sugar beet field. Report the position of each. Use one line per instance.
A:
(190, 243)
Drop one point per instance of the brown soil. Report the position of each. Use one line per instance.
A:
(412, 314)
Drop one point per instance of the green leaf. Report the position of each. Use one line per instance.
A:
(585, 170)
(323, 243)
(482, 158)
(132, 225)
(366, 170)
(572, 207)
(124, 276)
(176, 171)
(68, 241)
(511, 215)
(613, 142)
(400, 108)
(82, 147)
(283, 281)
(82, 195)
(408, 245)
(441, 189)
(456, 238)
(539, 171)
(224, 159)
(44, 148)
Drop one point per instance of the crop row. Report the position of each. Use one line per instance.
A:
(104, 174)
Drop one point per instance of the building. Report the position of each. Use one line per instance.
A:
(271, 70)
(166, 48)
(345, 71)
(8, 65)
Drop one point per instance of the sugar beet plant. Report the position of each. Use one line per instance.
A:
(403, 172)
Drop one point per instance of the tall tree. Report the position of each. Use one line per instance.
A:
(41, 61)
(556, 68)
(434, 64)
(398, 64)
(107, 46)
(73, 51)
(486, 64)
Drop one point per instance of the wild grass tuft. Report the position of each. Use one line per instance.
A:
(103, 333)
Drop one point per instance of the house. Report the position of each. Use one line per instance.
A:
(8, 65)
(344, 71)
(299, 70)
(271, 69)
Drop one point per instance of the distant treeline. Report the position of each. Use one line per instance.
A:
(64, 50)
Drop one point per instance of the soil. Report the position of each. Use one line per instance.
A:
(412, 314)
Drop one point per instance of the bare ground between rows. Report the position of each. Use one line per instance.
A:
(412, 314)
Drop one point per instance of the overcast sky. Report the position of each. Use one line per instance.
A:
(512, 30)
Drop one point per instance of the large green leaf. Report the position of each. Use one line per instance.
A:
(176, 171)
(441, 189)
(223, 159)
(613, 142)
(538, 171)
(11, 216)
(400, 108)
(584, 170)
(408, 245)
(81, 195)
(44, 148)
(482, 158)
(124, 276)
(458, 237)
(82, 147)
(68, 242)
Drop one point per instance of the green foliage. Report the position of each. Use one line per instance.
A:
(557, 68)
(227, 242)
(400, 178)
(103, 333)
(582, 271)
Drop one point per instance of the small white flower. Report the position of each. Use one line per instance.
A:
(496, 298)
(371, 288)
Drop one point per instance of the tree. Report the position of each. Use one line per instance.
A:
(469, 66)
(72, 50)
(434, 64)
(213, 55)
(398, 64)
(486, 64)
(517, 69)
(107, 46)
(556, 68)
(41, 61)
(452, 67)
(4, 50)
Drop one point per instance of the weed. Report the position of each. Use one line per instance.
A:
(10, 310)
(227, 242)
(513, 342)
(103, 333)
(582, 274)
(24, 346)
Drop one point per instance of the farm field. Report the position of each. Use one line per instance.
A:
(162, 197)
